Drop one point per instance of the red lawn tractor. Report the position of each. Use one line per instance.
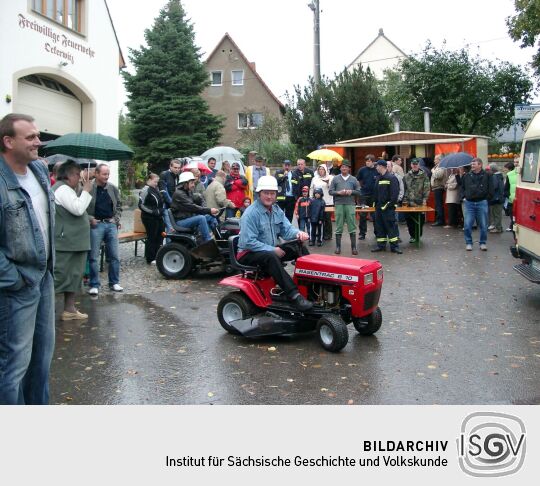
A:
(343, 290)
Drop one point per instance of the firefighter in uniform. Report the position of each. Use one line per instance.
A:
(385, 199)
(285, 197)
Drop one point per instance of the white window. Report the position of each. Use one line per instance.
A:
(66, 12)
(216, 78)
(237, 78)
(250, 120)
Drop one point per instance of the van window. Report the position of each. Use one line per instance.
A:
(529, 171)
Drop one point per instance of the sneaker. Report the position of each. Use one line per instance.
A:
(412, 240)
(93, 291)
(468, 247)
(73, 316)
(301, 304)
(495, 230)
(362, 237)
(116, 288)
(509, 229)
(490, 227)
(483, 246)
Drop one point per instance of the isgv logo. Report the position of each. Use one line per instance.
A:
(491, 444)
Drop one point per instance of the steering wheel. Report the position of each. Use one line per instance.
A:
(293, 245)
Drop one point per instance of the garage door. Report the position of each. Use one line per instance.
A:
(56, 109)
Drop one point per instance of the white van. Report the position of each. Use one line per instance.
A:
(527, 205)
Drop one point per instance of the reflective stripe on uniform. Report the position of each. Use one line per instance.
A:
(384, 182)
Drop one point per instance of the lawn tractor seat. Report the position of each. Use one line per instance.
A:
(245, 269)
(177, 228)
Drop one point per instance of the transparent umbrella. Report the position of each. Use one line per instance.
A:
(222, 153)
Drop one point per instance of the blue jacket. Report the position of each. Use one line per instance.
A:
(366, 177)
(317, 208)
(23, 259)
(260, 229)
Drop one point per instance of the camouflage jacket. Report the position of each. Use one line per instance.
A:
(416, 188)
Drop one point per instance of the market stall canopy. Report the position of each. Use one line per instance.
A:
(90, 146)
(325, 155)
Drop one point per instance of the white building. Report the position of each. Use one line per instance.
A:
(60, 64)
(380, 55)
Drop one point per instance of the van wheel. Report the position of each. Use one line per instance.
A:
(370, 324)
(333, 333)
(232, 307)
(174, 261)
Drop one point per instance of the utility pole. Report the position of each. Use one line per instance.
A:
(314, 6)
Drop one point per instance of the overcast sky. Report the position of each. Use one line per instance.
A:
(278, 34)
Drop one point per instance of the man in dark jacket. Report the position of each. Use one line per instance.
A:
(285, 196)
(168, 180)
(366, 178)
(302, 176)
(476, 188)
(385, 196)
(188, 214)
(497, 199)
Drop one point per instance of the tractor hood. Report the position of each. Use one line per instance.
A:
(334, 268)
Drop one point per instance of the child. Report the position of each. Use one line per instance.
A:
(245, 204)
(317, 208)
(302, 210)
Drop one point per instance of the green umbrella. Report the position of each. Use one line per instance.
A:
(89, 146)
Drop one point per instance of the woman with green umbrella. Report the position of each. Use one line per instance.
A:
(72, 236)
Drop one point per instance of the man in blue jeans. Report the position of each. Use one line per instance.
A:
(104, 212)
(188, 214)
(26, 264)
(477, 188)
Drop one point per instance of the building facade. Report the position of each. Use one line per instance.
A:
(60, 64)
(237, 92)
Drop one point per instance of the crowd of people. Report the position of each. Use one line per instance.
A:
(64, 227)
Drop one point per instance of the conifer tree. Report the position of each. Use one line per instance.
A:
(169, 118)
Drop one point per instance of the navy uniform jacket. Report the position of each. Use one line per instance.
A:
(386, 191)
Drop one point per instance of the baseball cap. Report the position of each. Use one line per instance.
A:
(381, 162)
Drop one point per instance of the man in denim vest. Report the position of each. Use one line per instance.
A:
(26, 265)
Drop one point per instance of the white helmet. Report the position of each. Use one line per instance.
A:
(266, 183)
(186, 177)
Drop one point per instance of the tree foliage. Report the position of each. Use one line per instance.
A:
(169, 118)
(467, 94)
(525, 27)
(348, 106)
(270, 140)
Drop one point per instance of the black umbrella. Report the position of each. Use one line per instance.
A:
(453, 161)
(52, 160)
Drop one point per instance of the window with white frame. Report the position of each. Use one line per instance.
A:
(237, 77)
(250, 120)
(216, 78)
(69, 13)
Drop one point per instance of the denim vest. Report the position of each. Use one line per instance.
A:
(23, 258)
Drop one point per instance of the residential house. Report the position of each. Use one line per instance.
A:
(237, 91)
(379, 55)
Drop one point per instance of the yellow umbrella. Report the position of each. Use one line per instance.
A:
(325, 155)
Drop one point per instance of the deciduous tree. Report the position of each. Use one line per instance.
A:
(466, 93)
(525, 27)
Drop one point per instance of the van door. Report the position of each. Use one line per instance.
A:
(527, 201)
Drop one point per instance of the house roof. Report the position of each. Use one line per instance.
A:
(379, 36)
(122, 61)
(249, 64)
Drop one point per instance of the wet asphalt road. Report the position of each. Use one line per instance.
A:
(458, 328)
